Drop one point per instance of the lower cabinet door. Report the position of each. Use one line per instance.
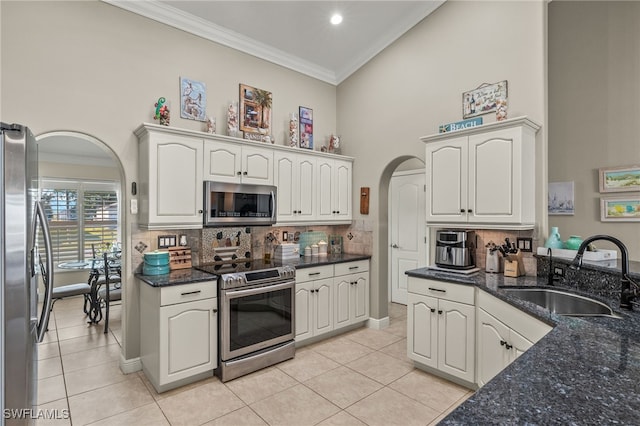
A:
(422, 329)
(304, 311)
(360, 301)
(323, 304)
(188, 339)
(456, 339)
(493, 356)
(342, 304)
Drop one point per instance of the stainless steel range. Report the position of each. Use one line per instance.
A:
(256, 313)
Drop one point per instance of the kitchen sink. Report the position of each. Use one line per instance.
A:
(561, 302)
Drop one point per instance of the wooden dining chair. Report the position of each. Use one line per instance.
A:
(110, 291)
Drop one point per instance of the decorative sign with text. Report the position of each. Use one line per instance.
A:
(459, 125)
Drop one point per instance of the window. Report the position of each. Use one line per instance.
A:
(83, 217)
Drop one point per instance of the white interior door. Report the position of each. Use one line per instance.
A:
(407, 229)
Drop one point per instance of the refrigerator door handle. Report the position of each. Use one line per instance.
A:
(47, 276)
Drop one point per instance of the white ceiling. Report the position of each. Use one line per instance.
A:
(294, 34)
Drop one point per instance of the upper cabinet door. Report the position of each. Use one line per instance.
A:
(222, 162)
(342, 190)
(257, 165)
(447, 180)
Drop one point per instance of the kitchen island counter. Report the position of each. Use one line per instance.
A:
(584, 371)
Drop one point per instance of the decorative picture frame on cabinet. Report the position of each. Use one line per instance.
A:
(255, 112)
(484, 99)
(619, 179)
(193, 99)
(561, 199)
(306, 127)
(620, 209)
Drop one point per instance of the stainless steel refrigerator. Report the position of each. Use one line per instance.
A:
(21, 219)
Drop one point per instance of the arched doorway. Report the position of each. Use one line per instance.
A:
(79, 164)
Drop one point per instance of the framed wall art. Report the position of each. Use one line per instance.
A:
(485, 99)
(193, 99)
(620, 209)
(255, 111)
(561, 201)
(619, 179)
(306, 128)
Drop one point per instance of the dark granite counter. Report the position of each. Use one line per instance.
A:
(177, 277)
(585, 371)
(186, 276)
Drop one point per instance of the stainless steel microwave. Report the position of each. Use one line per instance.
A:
(229, 204)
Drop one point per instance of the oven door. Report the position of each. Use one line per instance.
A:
(255, 318)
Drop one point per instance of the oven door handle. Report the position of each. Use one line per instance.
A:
(258, 290)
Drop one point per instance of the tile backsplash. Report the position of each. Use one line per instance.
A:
(498, 237)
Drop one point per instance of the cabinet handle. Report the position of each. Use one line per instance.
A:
(351, 268)
(314, 273)
(433, 309)
(191, 292)
(437, 289)
(439, 311)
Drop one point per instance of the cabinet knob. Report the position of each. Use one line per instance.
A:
(461, 210)
(239, 173)
(470, 211)
(439, 311)
(433, 309)
(508, 346)
(245, 173)
(200, 211)
(215, 311)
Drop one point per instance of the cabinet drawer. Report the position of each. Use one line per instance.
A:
(351, 267)
(462, 293)
(188, 292)
(314, 273)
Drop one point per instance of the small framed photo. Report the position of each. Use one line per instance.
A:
(620, 209)
(306, 127)
(255, 111)
(561, 201)
(484, 99)
(619, 179)
(193, 99)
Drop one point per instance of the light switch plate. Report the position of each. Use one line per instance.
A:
(134, 206)
(525, 244)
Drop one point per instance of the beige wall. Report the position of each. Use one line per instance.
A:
(594, 87)
(416, 84)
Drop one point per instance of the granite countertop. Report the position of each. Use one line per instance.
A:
(192, 275)
(585, 371)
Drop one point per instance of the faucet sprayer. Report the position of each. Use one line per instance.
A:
(627, 294)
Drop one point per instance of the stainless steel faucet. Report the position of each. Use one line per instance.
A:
(627, 294)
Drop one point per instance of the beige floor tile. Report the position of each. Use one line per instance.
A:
(79, 330)
(51, 389)
(158, 396)
(387, 407)
(307, 364)
(261, 384)
(49, 367)
(73, 320)
(242, 417)
(117, 334)
(341, 419)
(94, 377)
(55, 413)
(101, 355)
(298, 406)
(430, 390)
(343, 386)
(50, 336)
(147, 415)
(397, 310)
(108, 401)
(48, 350)
(398, 327)
(200, 405)
(397, 350)
(381, 367)
(83, 343)
(342, 350)
(374, 339)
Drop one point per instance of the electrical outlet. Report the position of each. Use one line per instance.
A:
(558, 270)
(525, 244)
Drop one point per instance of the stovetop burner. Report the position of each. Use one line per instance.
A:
(247, 271)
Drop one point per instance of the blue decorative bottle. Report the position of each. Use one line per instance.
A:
(554, 241)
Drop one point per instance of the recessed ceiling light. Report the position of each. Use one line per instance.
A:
(336, 19)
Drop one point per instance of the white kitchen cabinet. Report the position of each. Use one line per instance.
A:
(178, 333)
(351, 293)
(314, 302)
(235, 163)
(504, 333)
(295, 177)
(483, 175)
(441, 327)
(334, 190)
(169, 179)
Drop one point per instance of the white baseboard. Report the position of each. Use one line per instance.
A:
(378, 324)
(130, 365)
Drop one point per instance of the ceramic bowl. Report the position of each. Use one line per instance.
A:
(155, 270)
(156, 258)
